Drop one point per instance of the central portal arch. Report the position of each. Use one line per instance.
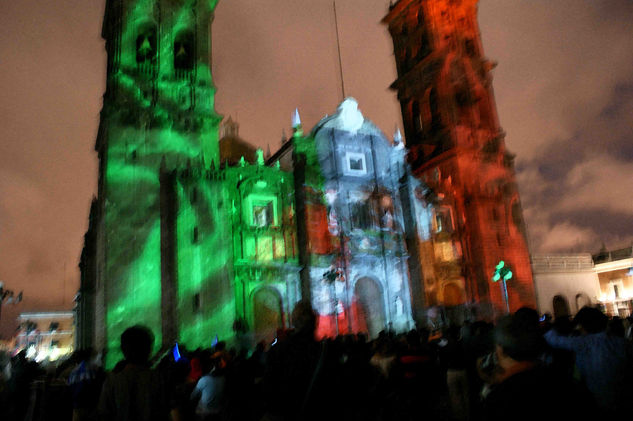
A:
(267, 314)
(371, 309)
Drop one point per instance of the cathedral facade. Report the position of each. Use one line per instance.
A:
(198, 237)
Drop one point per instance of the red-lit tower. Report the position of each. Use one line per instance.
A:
(457, 148)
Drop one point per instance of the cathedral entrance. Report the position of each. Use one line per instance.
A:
(453, 295)
(267, 314)
(371, 309)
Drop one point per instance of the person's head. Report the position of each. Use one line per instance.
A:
(591, 320)
(517, 340)
(616, 327)
(529, 316)
(304, 317)
(207, 362)
(136, 344)
(220, 346)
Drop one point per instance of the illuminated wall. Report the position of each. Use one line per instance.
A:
(457, 150)
(158, 116)
(266, 269)
(354, 224)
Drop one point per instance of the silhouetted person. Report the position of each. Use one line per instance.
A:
(615, 327)
(297, 373)
(524, 389)
(24, 371)
(453, 362)
(135, 392)
(209, 393)
(605, 362)
(85, 381)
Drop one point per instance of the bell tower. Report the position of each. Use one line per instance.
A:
(456, 147)
(157, 119)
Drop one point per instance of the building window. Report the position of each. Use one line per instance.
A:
(196, 235)
(263, 214)
(416, 115)
(362, 215)
(355, 163)
(443, 220)
(436, 118)
(196, 302)
(146, 44)
(469, 47)
(184, 54)
(617, 289)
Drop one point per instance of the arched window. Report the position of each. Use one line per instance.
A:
(420, 18)
(453, 295)
(184, 51)
(436, 118)
(425, 46)
(146, 47)
(561, 307)
(368, 298)
(416, 117)
(582, 300)
(469, 47)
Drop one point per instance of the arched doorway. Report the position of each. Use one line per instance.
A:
(368, 296)
(582, 300)
(267, 314)
(561, 307)
(453, 295)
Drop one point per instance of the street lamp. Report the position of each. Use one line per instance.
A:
(503, 273)
(8, 296)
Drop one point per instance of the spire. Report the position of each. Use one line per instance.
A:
(296, 124)
(397, 139)
(296, 120)
(260, 157)
(397, 136)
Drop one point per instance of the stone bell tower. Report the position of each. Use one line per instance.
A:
(158, 118)
(456, 147)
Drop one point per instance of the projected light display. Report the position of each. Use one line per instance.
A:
(157, 123)
(196, 246)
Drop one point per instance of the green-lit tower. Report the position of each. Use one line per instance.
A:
(160, 248)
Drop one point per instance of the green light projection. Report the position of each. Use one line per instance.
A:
(204, 259)
(185, 245)
(155, 116)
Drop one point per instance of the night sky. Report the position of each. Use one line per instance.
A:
(563, 86)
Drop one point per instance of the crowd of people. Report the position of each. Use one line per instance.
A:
(523, 367)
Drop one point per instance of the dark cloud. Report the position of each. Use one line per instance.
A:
(564, 90)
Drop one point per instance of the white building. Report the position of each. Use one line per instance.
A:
(565, 283)
(615, 276)
(46, 335)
